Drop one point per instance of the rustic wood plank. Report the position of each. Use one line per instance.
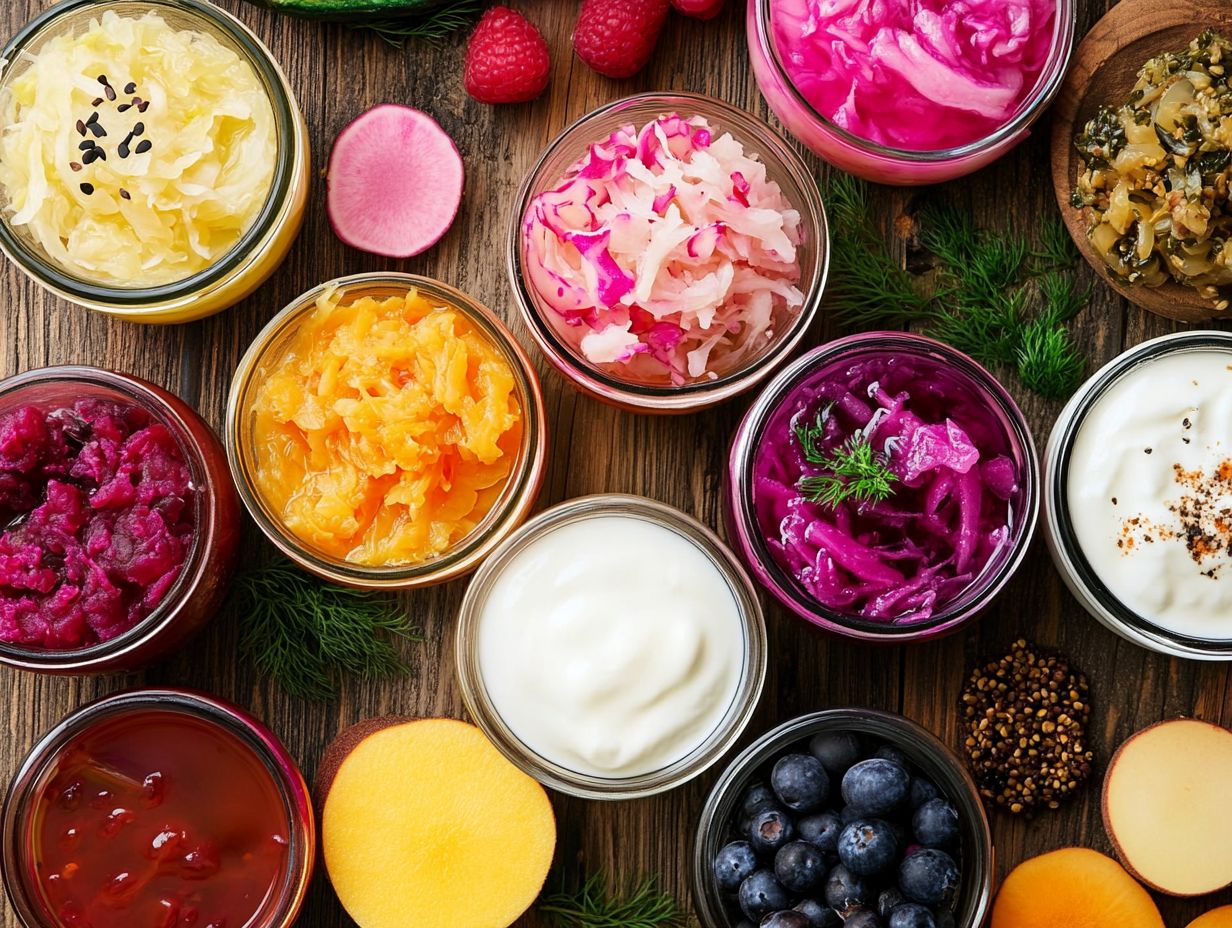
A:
(338, 73)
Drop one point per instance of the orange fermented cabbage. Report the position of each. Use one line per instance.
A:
(385, 430)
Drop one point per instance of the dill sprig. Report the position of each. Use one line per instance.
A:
(1057, 250)
(1048, 361)
(856, 471)
(597, 903)
(431, 26)
(305, 634)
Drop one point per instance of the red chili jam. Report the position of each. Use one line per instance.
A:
(159, 819)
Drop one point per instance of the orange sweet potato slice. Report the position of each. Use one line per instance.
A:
(1215, 918)
(1075, 888)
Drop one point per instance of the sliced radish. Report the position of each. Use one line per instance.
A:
(395, 182)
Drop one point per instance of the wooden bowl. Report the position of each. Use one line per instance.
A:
(1104, 69)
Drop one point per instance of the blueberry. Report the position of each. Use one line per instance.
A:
(876, 786)
(800, 782)
(837, 750)
(787, 918)
(845, 891)
(891, 753)
(888, 901)
(928, 877)
(799, 866)
(761, 894)
(818, 915)
(849, 814)
(912, 915)
(865, 918)
(921, 791)
(821, 831)
(935, 824)
(733, 864)
(757, 798)
(770, 830)
(867, 847)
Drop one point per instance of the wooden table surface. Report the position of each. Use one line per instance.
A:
(337, 74)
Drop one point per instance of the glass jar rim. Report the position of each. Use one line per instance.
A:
(1062, 538)
(744, 699)
(522, 485)
(901, 731)
(686, 397)
(275, 759)
(195, 564)
(745, 525)
(136, 301)
(1045, 90)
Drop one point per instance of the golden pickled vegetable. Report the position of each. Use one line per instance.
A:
(135, 153)
(385, 430)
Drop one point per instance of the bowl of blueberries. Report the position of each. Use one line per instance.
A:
(846, 818)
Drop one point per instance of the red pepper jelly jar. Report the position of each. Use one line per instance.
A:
(158, 808)
(118, 519)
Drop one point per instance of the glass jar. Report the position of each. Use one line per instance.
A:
(521, 488)
(204, 579)
(749, 536)
(783, 165)
(259, 251)
(923, 749)
(487, 715)
(19, 851)
(878, 163)
(1059, 533)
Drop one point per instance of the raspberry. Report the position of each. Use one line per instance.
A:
(698, 9)
(617, 37)
(506, 58)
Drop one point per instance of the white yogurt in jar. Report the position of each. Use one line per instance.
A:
(1150, 491)
(611, 646)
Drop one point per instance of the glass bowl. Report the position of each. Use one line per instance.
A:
(894, 165)
(486, 714)
(509, 511)
(1076, 570)
(923, 749)
(259, 251)
(202, 586)
(748, 536)
(783, 165)
(39, 766)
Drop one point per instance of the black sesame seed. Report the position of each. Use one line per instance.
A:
(90, 156)
(111, 94)
(143, 146)
(143, 106)
(123, 150)
(97, 101)
(1148, 450)
(86, 145)
(102, 79)
(123, 107)
(130, 87)
(139, 128)
(87, 189)
(124, 194)
(92, 120)
(81, 127)
(98, 131)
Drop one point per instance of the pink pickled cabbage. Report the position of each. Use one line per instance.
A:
(946, 525)
(920, 75)
(666, 252)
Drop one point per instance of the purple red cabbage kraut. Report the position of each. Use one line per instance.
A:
(96, 521)
(920, 75)
(903, 559)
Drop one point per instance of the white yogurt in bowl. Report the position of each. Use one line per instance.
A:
(1139, 495)
(612, 647)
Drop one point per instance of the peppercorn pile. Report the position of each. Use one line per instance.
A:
(1024, 722)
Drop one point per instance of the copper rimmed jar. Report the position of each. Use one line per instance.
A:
(783, 165)
(515, 501)
(202, 584)
(260, 248)
(975, 856)
(938, 374)
(265, 761)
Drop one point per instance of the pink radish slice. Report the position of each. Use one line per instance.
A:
(395, 182)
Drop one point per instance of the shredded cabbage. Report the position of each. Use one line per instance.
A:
(162, 204)
(903, 559)
(667, 253)
(921, 75)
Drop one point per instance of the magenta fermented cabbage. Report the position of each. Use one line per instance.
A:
(920, 75)
(903, 559)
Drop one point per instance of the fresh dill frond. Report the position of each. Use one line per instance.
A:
(986, 328)
(598, 903)
(1062, 300)
(1057, 250)
(431, 26)
(1048, 361)
(948, 233)
(855, 470)
(306, 634)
